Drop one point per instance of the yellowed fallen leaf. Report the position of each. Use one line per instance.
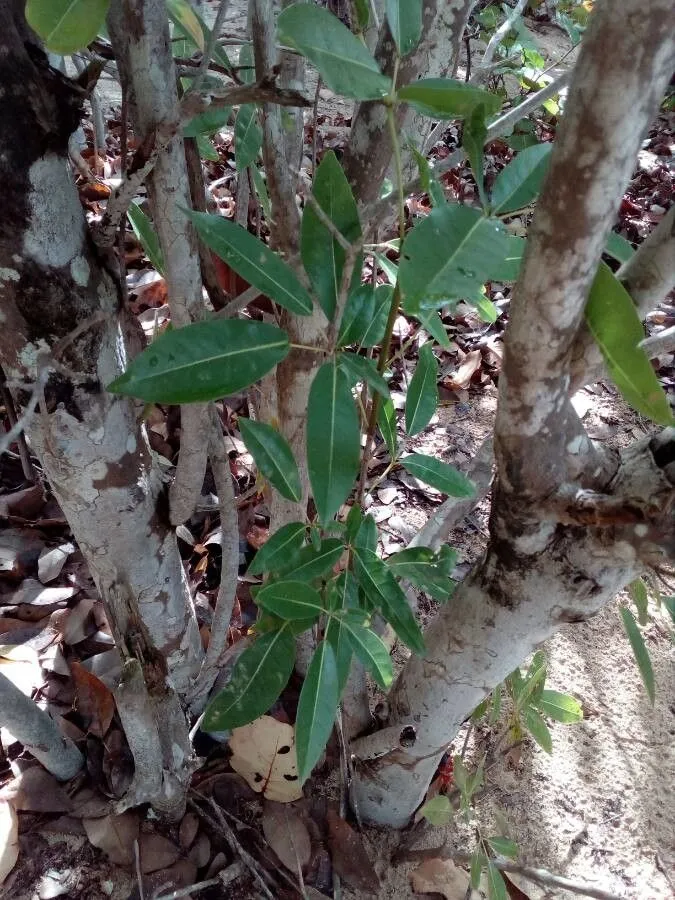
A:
(263, 753)
(440, 876)
(9, 839)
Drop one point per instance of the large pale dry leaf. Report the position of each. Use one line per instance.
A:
(264, 754)
(287, 835)
(461, 379)
(9, 839)
(115, 835)
(440, 876)
(72, 623)
(33, 593)
(35, 790)
(350, 859)
(106, 666)
(156, 852)
(52, 561)
(95, 702)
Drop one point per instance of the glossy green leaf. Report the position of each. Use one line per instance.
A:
(419, 566)
(360, 368)
(538, 729)
(478, 863)
(386, 422)
(261, 191)
(336, 635)
(422, 398)
(206, 148)
(273, 457)
(66, 25)
(613, 321)
(315, 561)
(253, 261)
(258, 677)
(333, 440)
(322, 255)
(518, 184)
(389, 268)
(432, 322)
(282, 547)
(247, 136)
(366, 538)
(449, 255)
(246, 64)
(638, 594)
(487, 310)
(473, 141)
(507, 266)
(365, 317)
(495, 882)
(371, 651)
(345, 64)
(503, 846)
(640, 652)
(438, 811)
(144, 231)
(382, 590)
(560, 707)
(404, 18)
(438, 474)
(428, 180)
(445, 98)
(184, 16)
(618, 247)
(203, 361)
(208, 122)
(290, 600)
(316, 709)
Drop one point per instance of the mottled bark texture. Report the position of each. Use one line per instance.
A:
(92, 446)
(569, 527)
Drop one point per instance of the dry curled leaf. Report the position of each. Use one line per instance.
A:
(440, 876)
(287, 835)
(95, 702)
(461, 379)
(350, 859)
(9, 839)
(115, 835)
(264, 754)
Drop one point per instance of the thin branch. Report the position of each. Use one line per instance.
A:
(210, 47)
(501, 33)
(222, 879)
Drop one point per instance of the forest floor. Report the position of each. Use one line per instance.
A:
(599, 810)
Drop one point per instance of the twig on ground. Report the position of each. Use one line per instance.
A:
(223, 879)
(657, 344)
(139, 876)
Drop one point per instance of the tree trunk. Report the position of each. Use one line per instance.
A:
(568, 529)
(61, 312)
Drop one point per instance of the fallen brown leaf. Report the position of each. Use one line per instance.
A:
(286, 834)
(461, 379)
(350, 859)
(115, 835)
(95, 702)
(188, 830)
(35, 790)
(156, 852)
(440, 876)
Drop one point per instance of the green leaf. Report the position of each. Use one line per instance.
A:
(371, 651)
(273, 457)
(640, 652)
(428, 180)
(560, 707)
(281, 547)
(422, 398)
(353, 522)
(478, 863)
(615, 324)
(316, 710)
(381, 588)
(445, 98)
(365, 317)
(361, 13)
(618, 247)
(405, 23)
(503, 846)
(432, 322)
(366, 538)
(253, 261)
(258, 677)
(333, 439)
(336, 635)
(322, 256)
(507, 266)
(450, 255)
(487, 310)
(518, 184)
(290, 600)
(438, 474)
(473, 141)
(344, 63)
(495, 706)
(315, 561)
(66, 25)
(360, 368)
(638, 594)
(208, 122)
(246, 64)
(206, 148)
(386, 422)
(261, 191)
(247, 136)
(389, 268)
(142, 227)
(538, 729)
(187, 20)
(496, 886)
(437, 811)
(419, 565)
(203, 361)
